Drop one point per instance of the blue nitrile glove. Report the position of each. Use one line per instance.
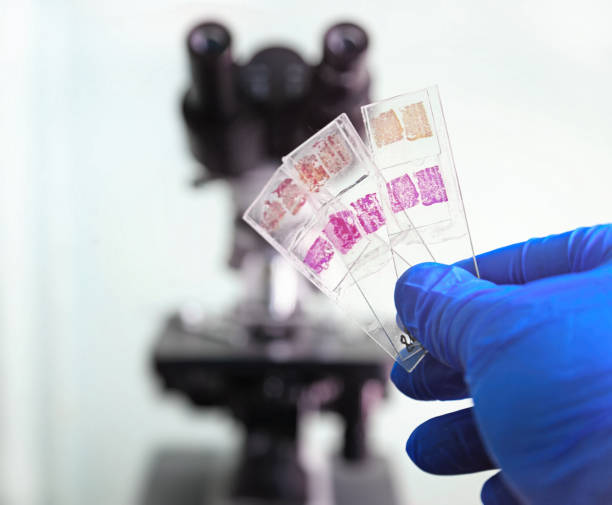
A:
(531, 343)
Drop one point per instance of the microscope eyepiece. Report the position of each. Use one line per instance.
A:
(341, 82)
(208, 39)
(212, 69)
(344, 46)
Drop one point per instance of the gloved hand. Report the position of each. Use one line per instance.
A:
(531, 343)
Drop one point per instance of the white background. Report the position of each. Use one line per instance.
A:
(101, 236)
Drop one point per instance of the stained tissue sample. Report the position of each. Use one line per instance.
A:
(334, 152)
(273, 212)
(416, 123)
(431, 186)
(402, 193)
(342, 230)
(291, 195)
(311, 172)
(369, 212)
(319, 255)
(387, 128)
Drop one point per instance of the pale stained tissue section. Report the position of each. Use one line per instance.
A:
(369, 212)
(319, 255)
(416, 122)
(273, 212)
(431, 186)
(387, 128)
(291, 195)
(311, 172)
(342, 230)
(334, 152)
(402, 193)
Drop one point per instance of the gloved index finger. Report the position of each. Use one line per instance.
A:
(439, 305)
(574, 251)
(431, 380)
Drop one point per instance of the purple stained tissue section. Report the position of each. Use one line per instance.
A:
(431, 186)
(402, 193)
(342, 230)
(369, 213)
(319, 255)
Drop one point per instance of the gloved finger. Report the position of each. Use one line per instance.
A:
(574, 251)
(496, 492)
(439, 305)
(431, 380)
(449, 445)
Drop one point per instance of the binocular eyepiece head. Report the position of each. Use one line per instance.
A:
(238, 116)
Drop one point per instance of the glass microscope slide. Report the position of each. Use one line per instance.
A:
(412, 153)
(321, 210)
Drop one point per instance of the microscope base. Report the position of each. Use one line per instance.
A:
(201, 477)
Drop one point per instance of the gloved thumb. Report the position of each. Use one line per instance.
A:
(440, 306)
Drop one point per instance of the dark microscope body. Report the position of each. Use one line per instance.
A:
(264, 369)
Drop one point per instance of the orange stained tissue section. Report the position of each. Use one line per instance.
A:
(311, 172)
(334, 152)
(291, 195)
(273, 212)
(387, 128)
(416, 123)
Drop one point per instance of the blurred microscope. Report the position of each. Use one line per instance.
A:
(272, 358)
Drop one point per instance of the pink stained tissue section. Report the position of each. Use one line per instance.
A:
(369, 212)
(273, 212)
(291, 195)
(342, 230)
(402, 193)
(311, 172)
(334, 153)
(431, 186)
(386, 128)
(319, 255)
